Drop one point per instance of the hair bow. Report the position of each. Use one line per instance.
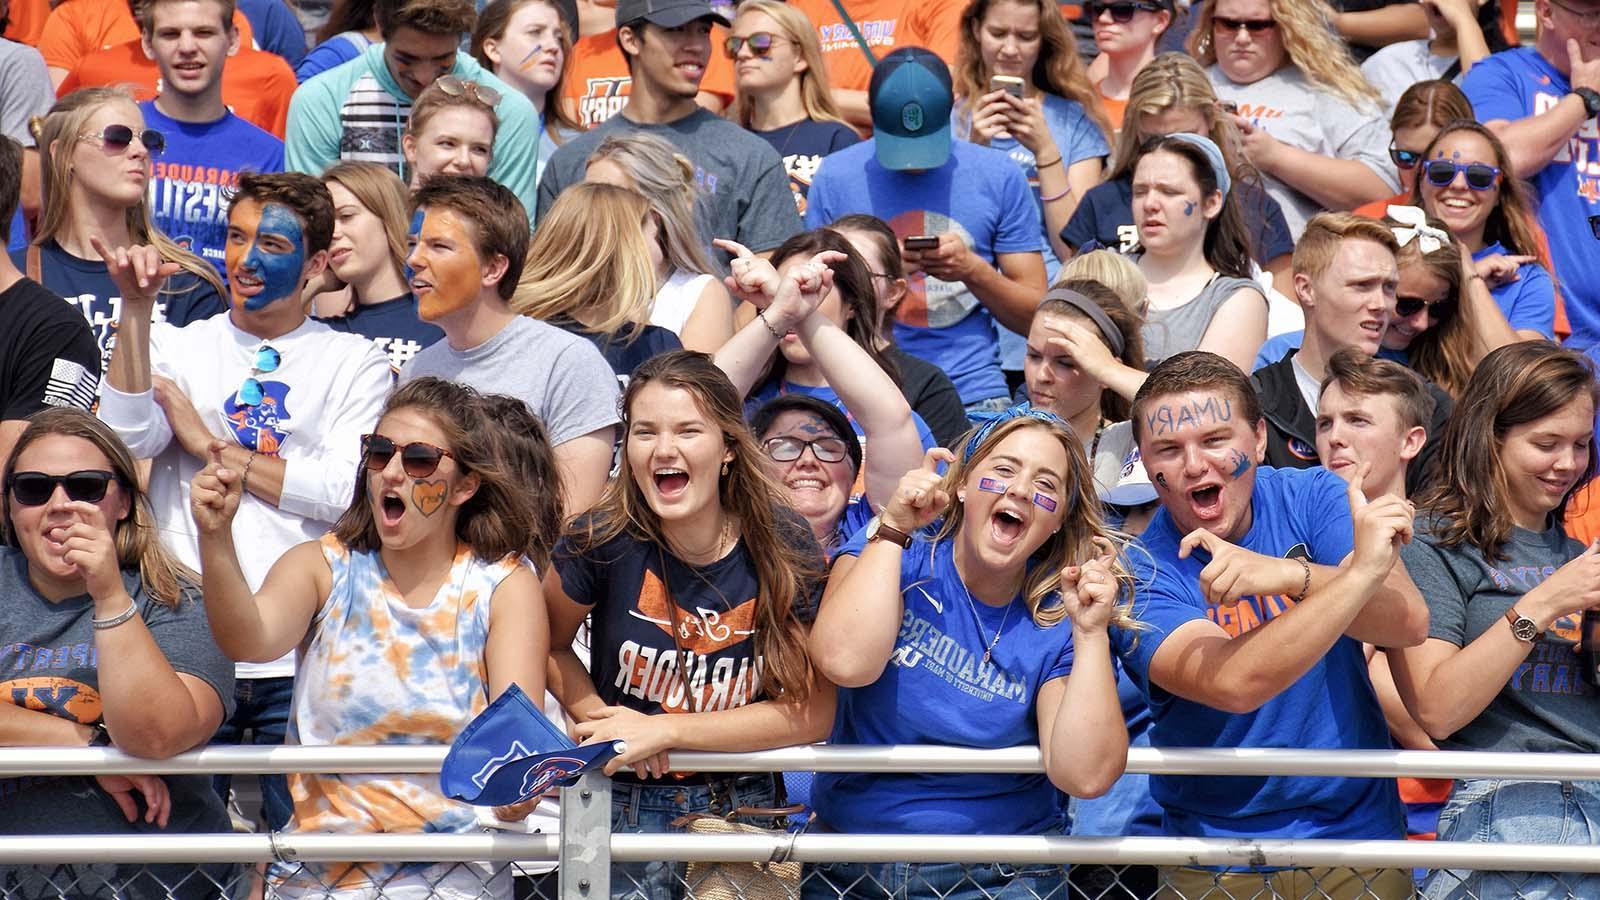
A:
(1414, 224)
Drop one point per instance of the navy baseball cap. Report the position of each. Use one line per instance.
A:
(911, 98)
(673, 13)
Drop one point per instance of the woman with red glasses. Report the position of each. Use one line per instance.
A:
(410, 616)
(1462, 179)
(1126, 32)
(1307, 118)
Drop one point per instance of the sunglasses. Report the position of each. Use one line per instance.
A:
(458, 87)
(1404, 159)
(1122, 13)
(36, 488)
(788, 449)
(251, 393)
(1442, 172)
(116, 138)
(1438, 310)
(1231, 26)
(419, 460)
(760, 44)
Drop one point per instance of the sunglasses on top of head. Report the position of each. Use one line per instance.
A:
(116, 138)
(1122, 11)
(418, 459)
(83, 486)
(1442, 172)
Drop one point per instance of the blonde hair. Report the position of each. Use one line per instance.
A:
(666, 178)
(57, 134)
(384, 195)
(1174, 81)
(434, 100)
(590, 256)
(1058, 70)
(1309, 41)
(1072, 544)
(1115, 271)
(815, 90)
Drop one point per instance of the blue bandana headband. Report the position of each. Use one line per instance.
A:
(1219, 166)
(1022, 410)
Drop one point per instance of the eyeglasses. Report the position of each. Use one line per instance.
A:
(1404, 159)
(1442, 173)
(251, 393)
(418, 459)
(788, 449)
(458, 87)
(1586, 18)
(84, 486)
(1121, 12)
(760, 44)
(1232, 26)
(1438, 310)
(116, 138)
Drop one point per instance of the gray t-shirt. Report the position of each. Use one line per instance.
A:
(1399, 66)
(1168, 332)
(49, 663)
(1300, 115)
(561, 376)
(24, 90)
(1545, 707)
(744, 189)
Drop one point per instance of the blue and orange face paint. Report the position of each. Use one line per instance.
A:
(279, 273)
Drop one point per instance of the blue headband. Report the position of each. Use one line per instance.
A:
(1020, 411)
(1219, 166)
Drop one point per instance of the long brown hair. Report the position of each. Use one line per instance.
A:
(1514, 385)
(1073, 544)
(784, 573)
(1059, 69)
(852, 278)
(1434, 102)
(1446, 353)
(1227, 244)
(492, 23)
(503, 517)
(525, 453)
(384, 195)
(137, 540)
(1510, 223)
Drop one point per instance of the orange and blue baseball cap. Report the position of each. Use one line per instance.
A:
(911, 96)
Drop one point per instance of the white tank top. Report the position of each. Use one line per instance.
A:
(676, 299)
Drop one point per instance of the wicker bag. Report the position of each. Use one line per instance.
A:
(776, 879)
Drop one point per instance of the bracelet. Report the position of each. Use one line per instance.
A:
(1305, 586)
(1046, 165)
(118, 619)
(244, 479)
(1054, 197)
(762, 315)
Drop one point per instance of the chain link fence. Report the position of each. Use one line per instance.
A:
(587, 861)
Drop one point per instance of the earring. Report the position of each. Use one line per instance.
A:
(961, 496)
(724, 468)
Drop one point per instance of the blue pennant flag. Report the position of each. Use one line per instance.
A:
(511, 752)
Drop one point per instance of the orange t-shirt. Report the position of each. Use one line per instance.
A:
(597, 83)
(1114, 109)
(27, 20)
(885, 24)
(77, 28)
(256, 84)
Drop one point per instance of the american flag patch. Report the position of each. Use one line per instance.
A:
(70, 384)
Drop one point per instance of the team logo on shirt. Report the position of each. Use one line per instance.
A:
(930, 302)
(1251, 612)
(602, 98)
(661, 675)
(260, 427)
(1302, 450)
(64, 697)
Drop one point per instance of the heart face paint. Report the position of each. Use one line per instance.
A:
(1044, 503)
(993, 485)
(446, 269)
(428, 496)
(266, 254)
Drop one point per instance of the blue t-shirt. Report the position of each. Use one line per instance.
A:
(1298, 514)
(1530, 301)
(1280, 344)
(19, 232)
(394, 326)
(979, 194)
(331, 54)
(276, 28)
(937, 690)
(85, 284)
(1518, 83)
(190, 183)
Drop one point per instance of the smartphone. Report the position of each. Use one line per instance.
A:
(1008, 83)
(922, 242)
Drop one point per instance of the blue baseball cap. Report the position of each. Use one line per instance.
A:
(911, 96)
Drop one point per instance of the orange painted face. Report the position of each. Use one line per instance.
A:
(446, 270)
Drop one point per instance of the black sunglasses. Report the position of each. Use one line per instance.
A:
(1121, 12)
(1438, 310)
(788, 449)
(1404, 159)
(116, 138)
(1254, 26)
(418, 459)
(761, 44)
(84, 486)
(1441, 172)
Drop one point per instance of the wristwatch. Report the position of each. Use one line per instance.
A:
(878, 531)
(1523, 628)
(101, 737)
(1591, 100)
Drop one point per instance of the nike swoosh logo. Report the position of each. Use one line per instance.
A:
(937, 606)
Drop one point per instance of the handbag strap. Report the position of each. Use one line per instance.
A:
(861, 40)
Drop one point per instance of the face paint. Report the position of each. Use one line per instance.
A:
(1241, 463)
(993, 486)
(527, 61)
(428, 496)
(1188, 207)
(1044, 503)
(266, 247)
(448, 271)
(411, 234)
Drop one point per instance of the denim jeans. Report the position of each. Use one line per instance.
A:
(650, 809)
(262, 708)
(1488, 811)
(933, 881)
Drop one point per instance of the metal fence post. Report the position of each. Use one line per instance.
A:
(586, 839)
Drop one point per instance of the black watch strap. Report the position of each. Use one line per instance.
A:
(1591, 100)
(102, 737)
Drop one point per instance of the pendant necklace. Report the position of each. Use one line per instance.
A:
(988, 652)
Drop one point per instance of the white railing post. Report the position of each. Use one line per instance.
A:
(585, 872)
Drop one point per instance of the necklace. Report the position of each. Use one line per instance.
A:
(988, 652)
(716, 551)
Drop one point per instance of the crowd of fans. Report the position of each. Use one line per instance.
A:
(988, 373)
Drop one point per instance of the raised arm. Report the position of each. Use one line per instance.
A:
(1533, 141)
(783, 304)
(1082, 732)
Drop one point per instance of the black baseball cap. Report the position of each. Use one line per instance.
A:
(673, 13)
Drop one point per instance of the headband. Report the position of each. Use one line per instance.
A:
(1024, 410)
(1414, 225)
(1219, 166)
(1108, 328)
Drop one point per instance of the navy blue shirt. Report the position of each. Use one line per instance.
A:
(1106, 216)
(625, 355)
(803, 146)
(394, 325)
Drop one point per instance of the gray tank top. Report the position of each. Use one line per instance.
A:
(1168, 332)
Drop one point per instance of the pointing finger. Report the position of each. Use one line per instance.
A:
(934, 456)
(1356, 488)
(739, 250)
(1200, 538)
